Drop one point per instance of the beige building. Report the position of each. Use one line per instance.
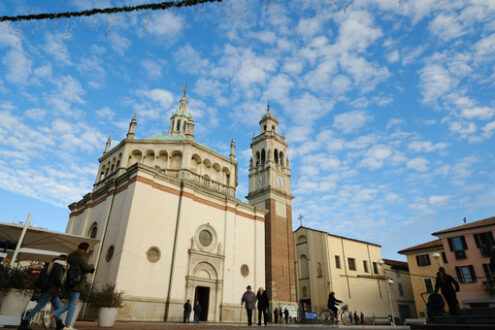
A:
(401, 290)
(171, 227)
(423, 261)
(326, 262)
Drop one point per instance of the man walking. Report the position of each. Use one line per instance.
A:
(249, 299)
(275, 315)
(262, 298)
(76, 282)
(197, 311)
(55, 273)
(187, 310)
(286, 315)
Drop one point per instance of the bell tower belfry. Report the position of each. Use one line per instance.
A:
(269, 187)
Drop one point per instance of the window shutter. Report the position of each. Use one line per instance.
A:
(490, 237)
(477, 240)
(451, 245)
(417, 261)
(464, 243)
(459, 274)
(471, 270)
(486, 269)
(428, 258)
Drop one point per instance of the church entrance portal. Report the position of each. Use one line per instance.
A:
(202, 294)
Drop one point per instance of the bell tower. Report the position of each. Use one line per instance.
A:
(269, 187)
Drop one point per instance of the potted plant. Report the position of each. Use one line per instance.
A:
(108, 301)
(16, 289)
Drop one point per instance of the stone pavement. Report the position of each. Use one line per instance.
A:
(213, 326)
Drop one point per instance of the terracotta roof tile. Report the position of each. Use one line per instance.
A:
(427, 245)
(471, 225)
(396, 263)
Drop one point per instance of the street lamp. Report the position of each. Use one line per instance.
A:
(388, 281)
(437, 256)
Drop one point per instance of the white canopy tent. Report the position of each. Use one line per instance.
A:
(40, 244)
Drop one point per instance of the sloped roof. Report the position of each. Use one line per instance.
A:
(471, 225)
(427, 245)
(396, 263)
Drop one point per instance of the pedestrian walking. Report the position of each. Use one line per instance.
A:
(52, 284)
(275, 315)
(197, 311)
(362, 318)
(280, 315)
(249, 301)
(350, 317)
(286, 315)
(262, 298)
(356, 318)
(75, 282)
(449, 286)
(187, 310)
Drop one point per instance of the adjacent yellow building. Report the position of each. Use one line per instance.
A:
(424, 261)
(401, 291)
(326, 262)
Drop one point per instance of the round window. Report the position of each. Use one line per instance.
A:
(205, 238)
(110, 252)
(153, 254)
(244, 270)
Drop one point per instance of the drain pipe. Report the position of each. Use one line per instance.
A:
(167, 303)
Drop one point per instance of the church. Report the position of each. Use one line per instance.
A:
(171, 228)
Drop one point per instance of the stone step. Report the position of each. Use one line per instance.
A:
(452, 327)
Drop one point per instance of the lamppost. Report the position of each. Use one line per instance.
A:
(388, 281)
(437, 256)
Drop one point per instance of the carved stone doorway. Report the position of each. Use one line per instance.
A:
(202, 295)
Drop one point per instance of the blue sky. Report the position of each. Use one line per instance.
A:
(388, 106)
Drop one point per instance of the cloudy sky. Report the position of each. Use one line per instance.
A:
(388, 106)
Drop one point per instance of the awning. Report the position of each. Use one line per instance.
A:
(40, 244)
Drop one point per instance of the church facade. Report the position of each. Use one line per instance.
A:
(171, 228)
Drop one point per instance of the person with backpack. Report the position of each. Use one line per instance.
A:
(49, 281)
(449, 286)
(76, 282)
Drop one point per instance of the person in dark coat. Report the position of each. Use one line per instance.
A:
(249, 301)
(332, 303)
(56, 271)
(275, 315)
(77, 259)
(356, 318)
(362, 318)
(280, 315)
(286, 315)
(187, 310)
(262, 298)
(449, 286)
(197, 311)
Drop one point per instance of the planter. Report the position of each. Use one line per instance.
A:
(14, 302)
(107, 316)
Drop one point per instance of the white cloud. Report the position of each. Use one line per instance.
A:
(105, 113)
(393, 57)
(438, 199)
(419, 164)
(165, 23)
(119, 43)
(435, 82)
(55, 46)
(426, 146)
(446, 27)
(190, 60)
(161, 96)
(152, 68)
(35, 113)
(351, 121)
(478, 113)
(18, 66)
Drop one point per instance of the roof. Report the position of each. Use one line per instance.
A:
(268, 115)
(351, 239)
(427, 245)
(471, 225)
(161, 137)
(396, 263)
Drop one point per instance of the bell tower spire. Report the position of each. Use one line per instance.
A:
(182, 122)
(232, 149)
(107, 146)
(132, 128)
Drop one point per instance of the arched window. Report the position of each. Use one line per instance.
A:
(264, 128)
(263, 156)
(258, 161)
(178, 125)
(184, 127)
(281, 158)
(275, 154)
(102, 174)
(93, 231)
(111, 168)
(304, 266)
